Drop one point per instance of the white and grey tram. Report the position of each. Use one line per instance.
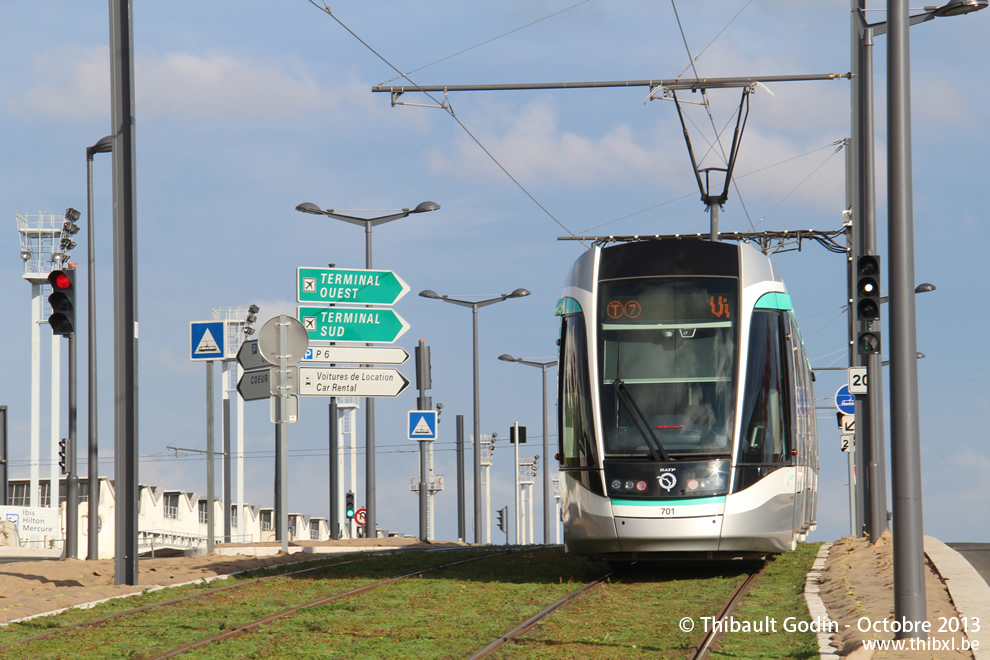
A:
(686, 416)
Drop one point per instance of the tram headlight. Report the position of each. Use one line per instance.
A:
(629, 485)
(616, 484)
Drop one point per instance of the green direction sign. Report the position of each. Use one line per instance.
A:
(341, 324)
(348, 287)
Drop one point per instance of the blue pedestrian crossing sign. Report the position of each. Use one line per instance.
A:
(207, 339)
(422, 424)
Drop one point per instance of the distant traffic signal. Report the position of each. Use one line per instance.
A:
(63, 301)
(349, 505)
(501, 518)
(61, 454)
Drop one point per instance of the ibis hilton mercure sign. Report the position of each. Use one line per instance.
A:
(348, 287)
(340, 324)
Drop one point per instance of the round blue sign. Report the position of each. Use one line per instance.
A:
(845, 401)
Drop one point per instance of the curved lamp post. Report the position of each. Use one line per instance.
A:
(541, 364)
(369, 410)
(104, 146)
(475, 306)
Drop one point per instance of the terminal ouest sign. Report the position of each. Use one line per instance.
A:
(348, 287)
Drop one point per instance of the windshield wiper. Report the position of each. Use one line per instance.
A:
(652, 442)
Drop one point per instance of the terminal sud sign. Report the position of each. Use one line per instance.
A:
(365, 325)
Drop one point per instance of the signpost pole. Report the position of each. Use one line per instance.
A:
(461, 517)
(225, 425)
(283, 426)
(209, 458)
(423, 402)
(334, 471)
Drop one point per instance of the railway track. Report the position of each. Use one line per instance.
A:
(324, 566)
(637, 589)
(697, 653)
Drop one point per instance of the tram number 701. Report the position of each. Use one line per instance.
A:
(665, 512)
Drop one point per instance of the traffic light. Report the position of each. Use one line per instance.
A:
(61, 454)
(868, 302)
(868, 288)
(63, 301)
(349, 505)
(868, 343)
(501, 518)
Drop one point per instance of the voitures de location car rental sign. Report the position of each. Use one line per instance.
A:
(349, 287)
(335, 381)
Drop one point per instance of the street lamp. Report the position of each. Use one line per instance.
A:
(475, 306)
(369, 462)
(909, 586)
(104, 146)
(542, 364)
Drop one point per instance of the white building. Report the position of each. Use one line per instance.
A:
(166, 519)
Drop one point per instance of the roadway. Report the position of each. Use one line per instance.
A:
(977, 554)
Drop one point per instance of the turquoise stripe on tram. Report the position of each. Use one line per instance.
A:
(682, 502)
(774, 301)
(567, 306)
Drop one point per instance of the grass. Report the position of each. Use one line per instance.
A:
(778, 596)
(447, 614)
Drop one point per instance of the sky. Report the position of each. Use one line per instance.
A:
(244, 110)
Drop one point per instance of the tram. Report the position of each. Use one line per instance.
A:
(686, 417)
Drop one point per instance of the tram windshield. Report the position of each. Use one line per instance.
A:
(667, 354)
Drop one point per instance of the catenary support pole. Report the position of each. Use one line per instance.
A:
(909, 556)
(124, 293)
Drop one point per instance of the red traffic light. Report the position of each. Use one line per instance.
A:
(63, 302)
(59, 280)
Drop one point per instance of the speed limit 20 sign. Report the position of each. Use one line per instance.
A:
(857, 380)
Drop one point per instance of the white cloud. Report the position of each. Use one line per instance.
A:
(68, 83)
(75, 84)
(532, 146)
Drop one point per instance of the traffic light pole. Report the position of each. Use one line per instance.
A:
(72, 478)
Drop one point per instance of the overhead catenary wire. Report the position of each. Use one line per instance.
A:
(727, 160)
(691, 194)
(488, 41)
(446, 106)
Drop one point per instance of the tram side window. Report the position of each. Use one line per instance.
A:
(577, 431)
(766, 425)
